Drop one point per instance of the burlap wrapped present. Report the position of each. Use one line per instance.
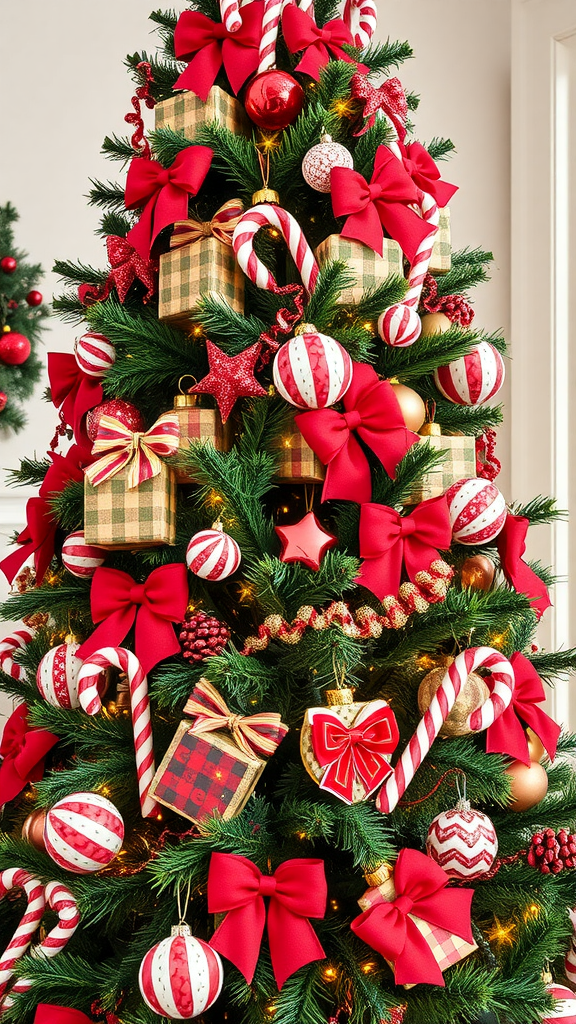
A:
(370, 269)
(459, 465)
(116, 516)
(441, 260)
(199, 424)
(298, 463)
(185, 112)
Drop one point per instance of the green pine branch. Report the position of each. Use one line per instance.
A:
(440, 148)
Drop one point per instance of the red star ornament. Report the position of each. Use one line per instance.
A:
(230, 377)
(305, 542)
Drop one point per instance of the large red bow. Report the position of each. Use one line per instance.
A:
(213, 46)
(381, 203)
(372, 411)
(163, 192)
(511, 544)
(74, 391)
(47, 1014)
(23, 750)
(358, 752)
(117, 601)
(297, 891)
(388, 541)
(389, 97)
(425, 174)
(506, 735)
(302, 33)
(421, 891)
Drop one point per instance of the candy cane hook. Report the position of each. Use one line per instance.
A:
(267, 215)
(17, 878)
(61, 900)
(361, 17)
(15, 642)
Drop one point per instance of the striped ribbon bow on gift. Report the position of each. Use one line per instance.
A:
(221, 226)
(255, 734)
(140, 452)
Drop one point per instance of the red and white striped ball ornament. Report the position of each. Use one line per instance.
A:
(477, 511)
(312, 371)
(181, 977)
(565, 1008)
(473, 379)
(57, 676)
(80, 558)
(213, 555)
(462, 841)
(399, 325)
(83, 832)
(94, 354)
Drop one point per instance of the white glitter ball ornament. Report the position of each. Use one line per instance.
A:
(319, 161)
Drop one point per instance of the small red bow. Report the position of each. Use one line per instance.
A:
(23, 750)
(421, 891)
(389, 97)
(117, 602)
(163, 192)
(213, 46)
(302, 33)
(511, 544)
(383, 203)
(297, 890)
(73, 391)
(371, 411)
(425, 174)
(358, 752)
(506, 735)
(128, 266)
(389, 541)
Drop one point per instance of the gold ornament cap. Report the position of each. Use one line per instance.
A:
(380, 875)
(180, 929)
(185, 401)
(430, 430)
(338, 698)
(305, 329)
(265, 195)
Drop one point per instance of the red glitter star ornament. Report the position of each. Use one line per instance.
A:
(305, 542)
(230, 377)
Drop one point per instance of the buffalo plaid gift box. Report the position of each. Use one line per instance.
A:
(371, 270)
(205, 267)
(185, 113)
(460, 464)
(199, 424)
(298, 462)
(116, 516)
(441, 260)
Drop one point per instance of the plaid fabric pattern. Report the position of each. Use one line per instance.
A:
(203, 775)
(298, 462)
(371, 269)
(201, 268)
(197, 424)
(460, 465)
(441, 260)
(185, 112)
(116, 517)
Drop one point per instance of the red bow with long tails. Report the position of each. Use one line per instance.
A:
(389, 541)
(358, 752)
(421, 891)
(506, 735)
(302, 33)
(389, 97)
(163, 192)
(297, 890)
(116, 602)
(73, 391)
(206, 45)
(382, 203)
(372, 412)
(23, 750)
(425, 174)
(511, 544)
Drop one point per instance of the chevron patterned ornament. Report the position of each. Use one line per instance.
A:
(462, 841)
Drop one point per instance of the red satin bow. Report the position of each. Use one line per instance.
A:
(23, 750)
(297, 891)
(128, 266)
(302, 33)
(73, 391)
(372, 412)
(381, 203)
(421, 890)
(511, 544)
(389, 97)
(47, 1014)
(117, 601)
(388, 541)
(358, 752)
(425, 174)
(506, 735)
(163, 192)
(213, 46)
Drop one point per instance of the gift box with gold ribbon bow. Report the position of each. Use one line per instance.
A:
(370, 269)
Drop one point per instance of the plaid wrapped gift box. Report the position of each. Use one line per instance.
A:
(206, 267)
(116, 516)
(460, 464)
(185, 112)
(441, 260)
(199, 424)
(298, 463)
(371, 270)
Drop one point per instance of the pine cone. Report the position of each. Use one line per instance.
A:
(550, 852)
(202, 636)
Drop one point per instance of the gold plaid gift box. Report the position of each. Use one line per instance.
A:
(116, 516)
(441, 260)
(459, 465)
(298, 463)
(199, 424)
(206, 267)
(371, 270)
(185, 112)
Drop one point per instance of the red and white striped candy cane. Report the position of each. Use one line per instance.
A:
(570, 961)
(17, 878)
(361, 17)
(15, 642)
(269, 35)
(230, 14)
(61, 900)
(89, 698)
(267, 215)
(442, 703)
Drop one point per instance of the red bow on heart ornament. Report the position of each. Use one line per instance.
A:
(73, 392)
(355, 753)
(302, 33)
(425, 174)
(382, 203)
(141, 453)
(23, 750)
(389, 541)
(163, 192)
(389, 97)
(372, 412)
(207, 45)
(511, 544)
(420, 892)
(297, 890)
(506, 735)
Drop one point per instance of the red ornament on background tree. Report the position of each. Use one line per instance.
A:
(8, 264)
(274, 99)
(34, 298)
(202, 636)
(230, 377)
(305, 542)
(14, 348)
(125, 412)
(3, 400)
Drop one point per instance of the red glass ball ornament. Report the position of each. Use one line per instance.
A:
(14, 348)
(34, 298)
(127, 413)
(8, 264)
(3, 400)
(274, 99)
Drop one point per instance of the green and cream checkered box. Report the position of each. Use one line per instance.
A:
(441, 261)
(185, 112)
(370, 269)
(459, 465)
(206, 267)
(118, 517)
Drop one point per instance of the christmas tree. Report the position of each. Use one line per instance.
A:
(280, 752)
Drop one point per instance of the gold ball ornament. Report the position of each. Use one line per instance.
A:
(536, 748)
(411, 406)
(478, 572)
(435, 323)
(471, 697)
(529, 785)
(33, 829)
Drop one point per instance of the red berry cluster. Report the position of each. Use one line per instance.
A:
(550, 852)
(202, 636)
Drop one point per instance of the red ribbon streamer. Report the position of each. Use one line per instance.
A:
(371, 412)
(302, 33)
(389, 97)
(297, 890)
(117, 602)
(284, 322)
(382, 203)
(389, 541)
(48, 1014)
(23, 750)
(425, 174)
(511, 544)
(506, 735)
(358, 752)
(207, 45)
(138, 142)
(421, 891)
(73, 391)
(487, 465)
